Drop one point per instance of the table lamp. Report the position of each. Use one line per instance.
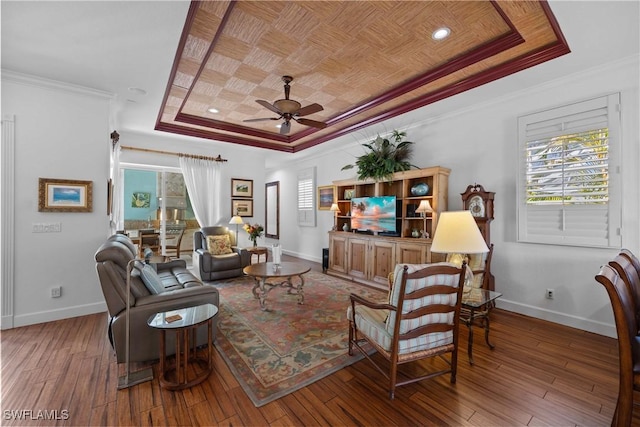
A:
(424, 207)
(336, 211)
(237, 221)
(458, 233)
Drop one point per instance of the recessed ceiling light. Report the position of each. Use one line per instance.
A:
(137, 91)
(441, 33)
(278, 126)
(213, 110)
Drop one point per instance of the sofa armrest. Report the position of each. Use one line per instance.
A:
(245, 256)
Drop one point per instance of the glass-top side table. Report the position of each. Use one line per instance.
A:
(184, 322)
(476, 306)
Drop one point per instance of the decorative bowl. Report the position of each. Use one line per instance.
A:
(420, 189)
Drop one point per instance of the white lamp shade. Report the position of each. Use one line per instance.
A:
(236, 220)
(457, 232)
(425, 206)
(334, 208)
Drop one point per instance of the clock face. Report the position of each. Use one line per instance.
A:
(476, 206)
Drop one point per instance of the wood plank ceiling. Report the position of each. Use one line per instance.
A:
(363, 61)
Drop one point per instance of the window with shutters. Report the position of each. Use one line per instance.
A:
(569, 190)
(306, 198)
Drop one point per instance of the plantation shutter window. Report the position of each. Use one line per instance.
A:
(569, 189)
(306, 198)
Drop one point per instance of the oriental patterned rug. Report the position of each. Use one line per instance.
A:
(288, 346)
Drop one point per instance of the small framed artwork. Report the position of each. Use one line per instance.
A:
(140, 199)
(241, 207)
(326, 196)
(241, 187)
(349, 193)
(64, 195)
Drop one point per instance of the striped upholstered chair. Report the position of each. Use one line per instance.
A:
(419, 321)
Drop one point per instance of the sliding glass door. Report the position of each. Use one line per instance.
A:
(156, 199)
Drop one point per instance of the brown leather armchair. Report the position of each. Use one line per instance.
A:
(180, 289)
(215, 267)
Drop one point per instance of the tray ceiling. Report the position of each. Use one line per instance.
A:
(364, 62)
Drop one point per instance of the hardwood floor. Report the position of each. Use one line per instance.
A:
(540, 373)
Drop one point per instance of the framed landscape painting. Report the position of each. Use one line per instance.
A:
(241, 187)
(241, 207)
(64, 195)
(326, 196)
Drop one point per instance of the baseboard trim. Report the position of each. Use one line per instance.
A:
(582, 323)
(63, 313)
(303, 256)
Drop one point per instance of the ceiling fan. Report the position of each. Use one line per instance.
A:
(288, 109)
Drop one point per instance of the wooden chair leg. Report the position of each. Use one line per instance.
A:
(350, 338)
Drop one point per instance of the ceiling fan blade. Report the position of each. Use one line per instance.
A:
(285, 127)
(261, 120)
(309, 109)
(312, 123)
(268, 105)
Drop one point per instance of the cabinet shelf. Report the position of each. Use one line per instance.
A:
(436, 178)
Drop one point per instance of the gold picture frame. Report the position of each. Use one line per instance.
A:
(64, 195)
(326, 197)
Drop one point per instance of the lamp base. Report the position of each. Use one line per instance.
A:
(135, 378)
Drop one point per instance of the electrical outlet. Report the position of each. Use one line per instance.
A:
(56, 292)
(549, 294)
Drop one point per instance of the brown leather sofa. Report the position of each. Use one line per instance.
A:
(178, 288)
(215, 267)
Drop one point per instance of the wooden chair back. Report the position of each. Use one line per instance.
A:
(626, 327)
(632, 258)
(149, 239)
(175, 245)
(629, 275)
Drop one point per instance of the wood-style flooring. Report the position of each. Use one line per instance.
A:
(540, 374)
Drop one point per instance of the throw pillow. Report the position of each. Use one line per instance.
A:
(219, 245)
(151, 279)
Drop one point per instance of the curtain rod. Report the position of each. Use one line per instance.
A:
(148, 150)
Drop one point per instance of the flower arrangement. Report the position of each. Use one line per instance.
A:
(254, 232)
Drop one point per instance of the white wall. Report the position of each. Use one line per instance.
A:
(479, 144)
(60, 132)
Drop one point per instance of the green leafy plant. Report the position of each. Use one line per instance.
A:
(384, 158)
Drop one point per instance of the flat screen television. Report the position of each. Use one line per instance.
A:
(377, 214)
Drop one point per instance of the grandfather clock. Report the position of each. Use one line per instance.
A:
(480, 203)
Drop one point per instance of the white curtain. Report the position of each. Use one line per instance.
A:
(202, 178)
(115, 220)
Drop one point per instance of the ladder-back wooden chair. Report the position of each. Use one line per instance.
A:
(149, 239)
(629, 275)
(421, 320)
(628, 343)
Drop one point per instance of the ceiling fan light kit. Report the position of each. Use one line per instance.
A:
(289, 109)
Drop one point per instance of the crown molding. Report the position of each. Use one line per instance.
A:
(31, 80)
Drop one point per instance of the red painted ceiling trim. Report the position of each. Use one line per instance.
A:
(220, 137)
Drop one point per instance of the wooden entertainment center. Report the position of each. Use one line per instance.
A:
(369, 258)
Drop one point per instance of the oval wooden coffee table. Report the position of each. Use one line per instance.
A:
(262, 272)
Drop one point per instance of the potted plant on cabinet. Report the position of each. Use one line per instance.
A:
(384, 158)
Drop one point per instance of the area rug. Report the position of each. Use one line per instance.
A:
(288, 346)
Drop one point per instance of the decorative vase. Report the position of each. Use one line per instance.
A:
(420, 189)
(345, 227)
(255, 243)
(415, 233)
